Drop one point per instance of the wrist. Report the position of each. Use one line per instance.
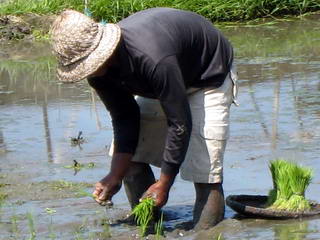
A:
(166, 181)
(119, 165)
(113, 177)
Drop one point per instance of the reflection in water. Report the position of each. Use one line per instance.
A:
(275, 117)
(47, 131)
(292, 231)
(303, 134)
(2, 144)
(257, 109)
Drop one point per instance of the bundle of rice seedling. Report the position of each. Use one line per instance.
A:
(290, 182)
(273, 192)
(300, 178)
(143, 214)
(282, 190)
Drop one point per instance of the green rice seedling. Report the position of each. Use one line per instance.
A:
(281, 191)
(104, 234)
(31, 227)
(3, 197)
(219, 237)
(272, 197)
(83, 193)
(158, 227)
(143, 214)
(77, 141)
(273, 192)
(50, 212)
(14, 225)
(81, 229)
(290, 182)
(78, 166)
(300, 178)
(106, 229)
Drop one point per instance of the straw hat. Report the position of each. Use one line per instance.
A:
(81, 44)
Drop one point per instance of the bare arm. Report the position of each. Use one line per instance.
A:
(111, 184)
(125, 116)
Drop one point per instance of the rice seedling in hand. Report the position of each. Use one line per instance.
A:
(143, 213)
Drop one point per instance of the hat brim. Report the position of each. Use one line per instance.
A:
(88, 65)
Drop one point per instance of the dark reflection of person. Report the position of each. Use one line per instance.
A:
(180, 66)
(2, 144)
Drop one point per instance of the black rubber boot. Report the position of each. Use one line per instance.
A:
(138, 179)
(209, 206)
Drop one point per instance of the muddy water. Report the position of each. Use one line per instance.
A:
(279, 116)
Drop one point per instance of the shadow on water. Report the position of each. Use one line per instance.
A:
(279, 116)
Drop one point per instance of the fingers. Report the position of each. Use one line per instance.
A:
(98, 189)
(104, 190)
(159, 196)
(103, 201)
(149, 195)
(99, 193)
(103, 196)
(96, 193)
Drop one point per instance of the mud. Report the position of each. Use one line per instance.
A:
(41, 191)
(25, 27)
(279, 116)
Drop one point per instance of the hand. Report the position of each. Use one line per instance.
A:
(106, 188)
(159, 192)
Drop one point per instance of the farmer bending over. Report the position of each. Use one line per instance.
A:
(166, 77)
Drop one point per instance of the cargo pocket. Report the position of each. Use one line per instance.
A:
(215, 122)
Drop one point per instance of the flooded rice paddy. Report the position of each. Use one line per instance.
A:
(44, 197)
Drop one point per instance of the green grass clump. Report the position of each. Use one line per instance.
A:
(290, 182)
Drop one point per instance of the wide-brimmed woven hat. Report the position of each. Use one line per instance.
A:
(81, 44)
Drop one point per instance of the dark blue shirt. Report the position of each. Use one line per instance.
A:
(162, 53)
